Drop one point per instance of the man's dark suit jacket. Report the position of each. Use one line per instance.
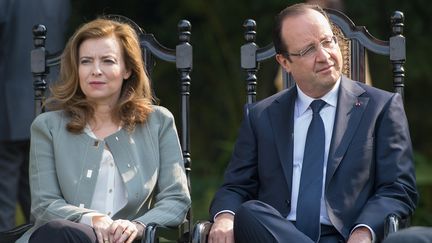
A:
(370, 171)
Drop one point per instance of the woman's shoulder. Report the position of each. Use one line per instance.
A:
(49, 118)
(49, 115)
(159, 116)
(161, 112)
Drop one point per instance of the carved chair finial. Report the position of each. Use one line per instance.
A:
(250, 32)
(39, 35)
(184, 29)
(397, 22)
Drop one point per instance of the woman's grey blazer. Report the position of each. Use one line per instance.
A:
(64, 168)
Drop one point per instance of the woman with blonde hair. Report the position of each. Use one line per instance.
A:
(105, 161)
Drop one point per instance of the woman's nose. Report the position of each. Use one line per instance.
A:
(96, 71)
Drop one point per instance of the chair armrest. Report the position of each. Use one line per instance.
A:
(13, 234)
(176, 234)
(394, 223)
(201, 231)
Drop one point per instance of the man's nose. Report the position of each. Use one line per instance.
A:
(322, 53)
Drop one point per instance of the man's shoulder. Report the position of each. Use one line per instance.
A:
(275, 98)
(369, 90)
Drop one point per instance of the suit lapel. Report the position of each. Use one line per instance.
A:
(281, 114)
(349, 111)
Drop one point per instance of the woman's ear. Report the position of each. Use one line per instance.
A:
(127, 74)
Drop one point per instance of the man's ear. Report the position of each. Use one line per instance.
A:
(284, 62)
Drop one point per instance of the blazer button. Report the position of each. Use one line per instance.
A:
(288, 203)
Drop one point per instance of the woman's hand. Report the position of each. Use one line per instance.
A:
(101, 226)
(141, 230)
(123, 231)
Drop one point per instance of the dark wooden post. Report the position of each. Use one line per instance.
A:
(38, 67)
(249, 62)
(184, 66)
(397, 51)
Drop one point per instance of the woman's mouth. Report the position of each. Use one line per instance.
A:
(96, 84)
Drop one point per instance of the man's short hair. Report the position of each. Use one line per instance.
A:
(293, 10)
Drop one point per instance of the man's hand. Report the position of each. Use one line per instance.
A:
(360, 235)
(222, 230)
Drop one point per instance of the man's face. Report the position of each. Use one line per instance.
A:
(319, 68)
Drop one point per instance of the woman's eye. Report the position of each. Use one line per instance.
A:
(84, 61)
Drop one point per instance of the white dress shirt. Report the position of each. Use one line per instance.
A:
(110, 193)
(302, 119)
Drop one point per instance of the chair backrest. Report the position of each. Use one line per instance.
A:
(42, 61)
(354, 42)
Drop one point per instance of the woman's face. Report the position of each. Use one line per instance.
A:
(101, 69)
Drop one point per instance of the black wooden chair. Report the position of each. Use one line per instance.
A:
(355, 42)
(42, 61)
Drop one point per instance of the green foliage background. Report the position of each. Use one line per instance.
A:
(218, 87)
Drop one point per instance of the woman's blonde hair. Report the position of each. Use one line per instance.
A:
(136, 98)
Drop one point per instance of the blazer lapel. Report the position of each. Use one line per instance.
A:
(349, 111)
(281, 114)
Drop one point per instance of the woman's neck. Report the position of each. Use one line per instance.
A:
(103, 123)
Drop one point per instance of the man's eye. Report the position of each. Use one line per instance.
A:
(327, 43)
(308, 51)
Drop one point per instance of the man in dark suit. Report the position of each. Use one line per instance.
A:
(356, 162)
(17, 18)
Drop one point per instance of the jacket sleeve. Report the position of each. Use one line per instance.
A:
(47, 200)
(241, 176)
(395, 176)
(172, 198)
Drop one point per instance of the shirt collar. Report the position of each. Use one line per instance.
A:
(303, 101)
(89, 131)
